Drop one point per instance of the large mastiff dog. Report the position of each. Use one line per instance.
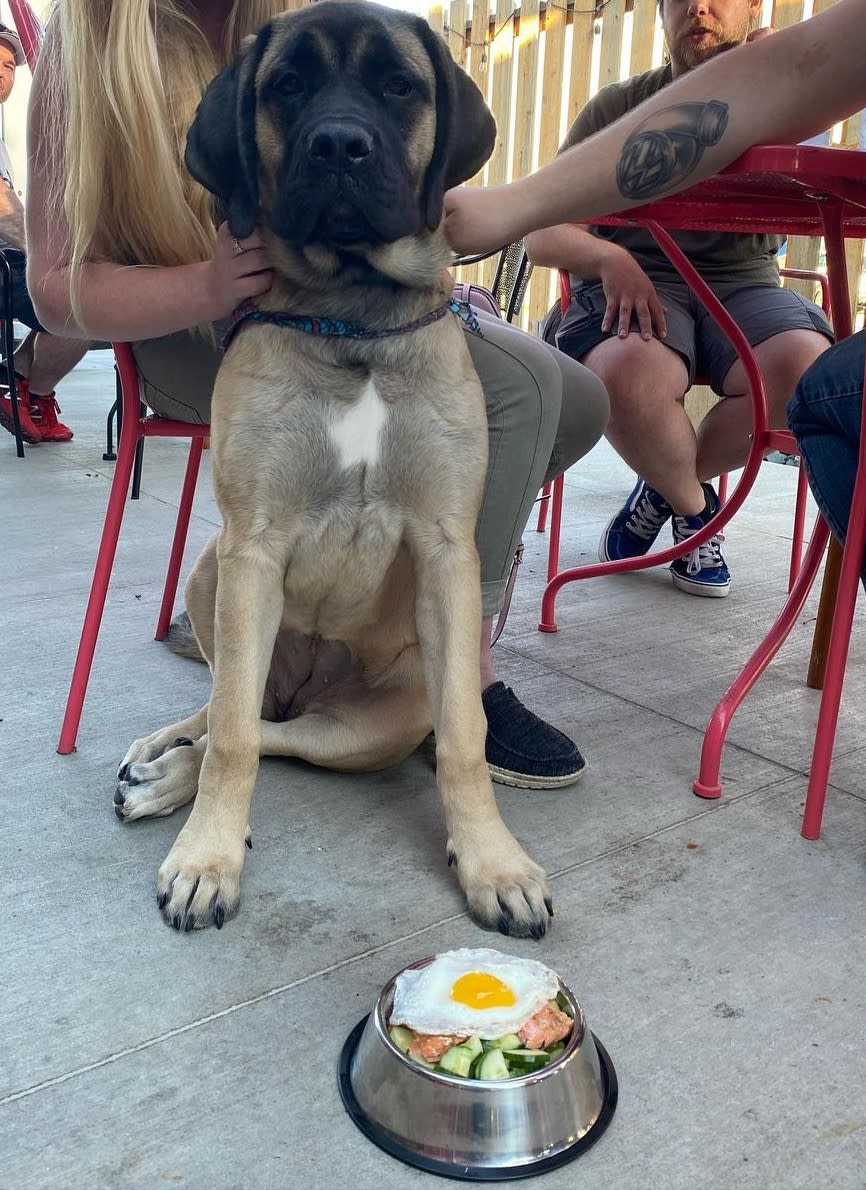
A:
(339, 605)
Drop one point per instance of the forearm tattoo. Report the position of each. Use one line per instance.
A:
(662, 151)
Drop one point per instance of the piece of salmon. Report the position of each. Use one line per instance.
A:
(431, 1046)
(545, 1027)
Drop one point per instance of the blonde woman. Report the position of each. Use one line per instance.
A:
(137, 257)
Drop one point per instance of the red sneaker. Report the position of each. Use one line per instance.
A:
(46, 410)
(30, 432)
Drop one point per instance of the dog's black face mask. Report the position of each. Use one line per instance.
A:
(342, 124)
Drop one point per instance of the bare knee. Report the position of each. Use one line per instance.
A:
(638, 373)
(782, 359)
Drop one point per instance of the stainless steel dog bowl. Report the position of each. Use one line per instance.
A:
(473, 1129)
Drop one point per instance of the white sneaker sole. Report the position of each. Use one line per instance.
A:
(524, 781)
(702, 589)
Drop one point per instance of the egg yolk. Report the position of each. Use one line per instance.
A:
(480, 989)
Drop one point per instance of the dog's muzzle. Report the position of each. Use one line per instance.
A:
(340, 147)
(345, 184)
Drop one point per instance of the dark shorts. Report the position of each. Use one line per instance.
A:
(22, 307)
(761, 311)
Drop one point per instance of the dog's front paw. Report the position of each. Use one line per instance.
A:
(150, 789)
(199, 882)
(505, 890)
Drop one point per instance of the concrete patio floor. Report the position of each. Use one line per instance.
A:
(718, 955)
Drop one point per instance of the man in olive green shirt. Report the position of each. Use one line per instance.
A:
(635, 323)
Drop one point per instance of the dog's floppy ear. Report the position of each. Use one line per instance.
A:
(221, 148)
(465, 128)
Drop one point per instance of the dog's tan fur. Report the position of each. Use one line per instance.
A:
(338, 607)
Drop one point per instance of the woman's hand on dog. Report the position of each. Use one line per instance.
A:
(237, 271)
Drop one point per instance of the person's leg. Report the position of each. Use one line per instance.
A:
(41, 362)
(53, 358)
(646, 382)
(23, 356)
(649, 427)
(788, 333)
(177, 378)
(544, 411)
(824, 416)
(178, 373)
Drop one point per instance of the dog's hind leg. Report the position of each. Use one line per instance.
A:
(354, 737)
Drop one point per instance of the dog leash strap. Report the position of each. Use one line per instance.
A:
(339, 328)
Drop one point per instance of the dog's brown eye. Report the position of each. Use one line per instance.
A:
(289, 83)
(398, 85)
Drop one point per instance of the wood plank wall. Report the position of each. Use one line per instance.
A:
(539, 61)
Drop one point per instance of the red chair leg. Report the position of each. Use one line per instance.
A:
(799, 526)
(180, 531)
(723, 488)
(98, 590)
(707, 783)
(555, 526)
(543, 501)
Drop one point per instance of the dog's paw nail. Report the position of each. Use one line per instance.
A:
(249, 842)
(502, 924)
(452, 858)
(119, 796)
(177, 921)
(219, 916)
(548, 904)
(122, 772)
(163, 899)
(537, 930)
(182, 741)
(118, 813)
(189, 925)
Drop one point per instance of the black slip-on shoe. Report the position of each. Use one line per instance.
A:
(522, 749)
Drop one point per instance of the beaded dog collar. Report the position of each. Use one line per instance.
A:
(339, 328)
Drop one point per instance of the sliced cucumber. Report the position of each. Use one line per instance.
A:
(456, 1060)
(401, 1037)
(473, 1043)
(555, 1050)
(508, 1041)
(526, 1061)
(492, 1065)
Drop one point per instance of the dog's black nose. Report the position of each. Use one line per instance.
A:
(340, 145)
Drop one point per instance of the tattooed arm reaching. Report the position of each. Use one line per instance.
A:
(781, 89)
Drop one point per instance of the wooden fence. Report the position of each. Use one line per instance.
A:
(539, 63)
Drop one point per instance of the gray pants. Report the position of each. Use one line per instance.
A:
(544, 411)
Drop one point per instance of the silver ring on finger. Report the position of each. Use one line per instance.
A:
(239, 251)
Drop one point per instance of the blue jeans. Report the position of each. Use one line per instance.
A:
(824, 416)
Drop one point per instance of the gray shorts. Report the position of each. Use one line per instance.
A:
(761, 311)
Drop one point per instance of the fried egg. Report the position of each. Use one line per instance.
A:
(465, 992)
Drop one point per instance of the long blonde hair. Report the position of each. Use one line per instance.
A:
(127, 76)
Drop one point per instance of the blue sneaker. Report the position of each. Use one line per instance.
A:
(636, 526)
(703, 571)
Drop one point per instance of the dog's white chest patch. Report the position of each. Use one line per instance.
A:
(356, 434)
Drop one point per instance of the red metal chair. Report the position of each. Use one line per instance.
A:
(135, 426)
(708, 783)
(782, 440)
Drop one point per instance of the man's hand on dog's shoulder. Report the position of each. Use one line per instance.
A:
(237, 271)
